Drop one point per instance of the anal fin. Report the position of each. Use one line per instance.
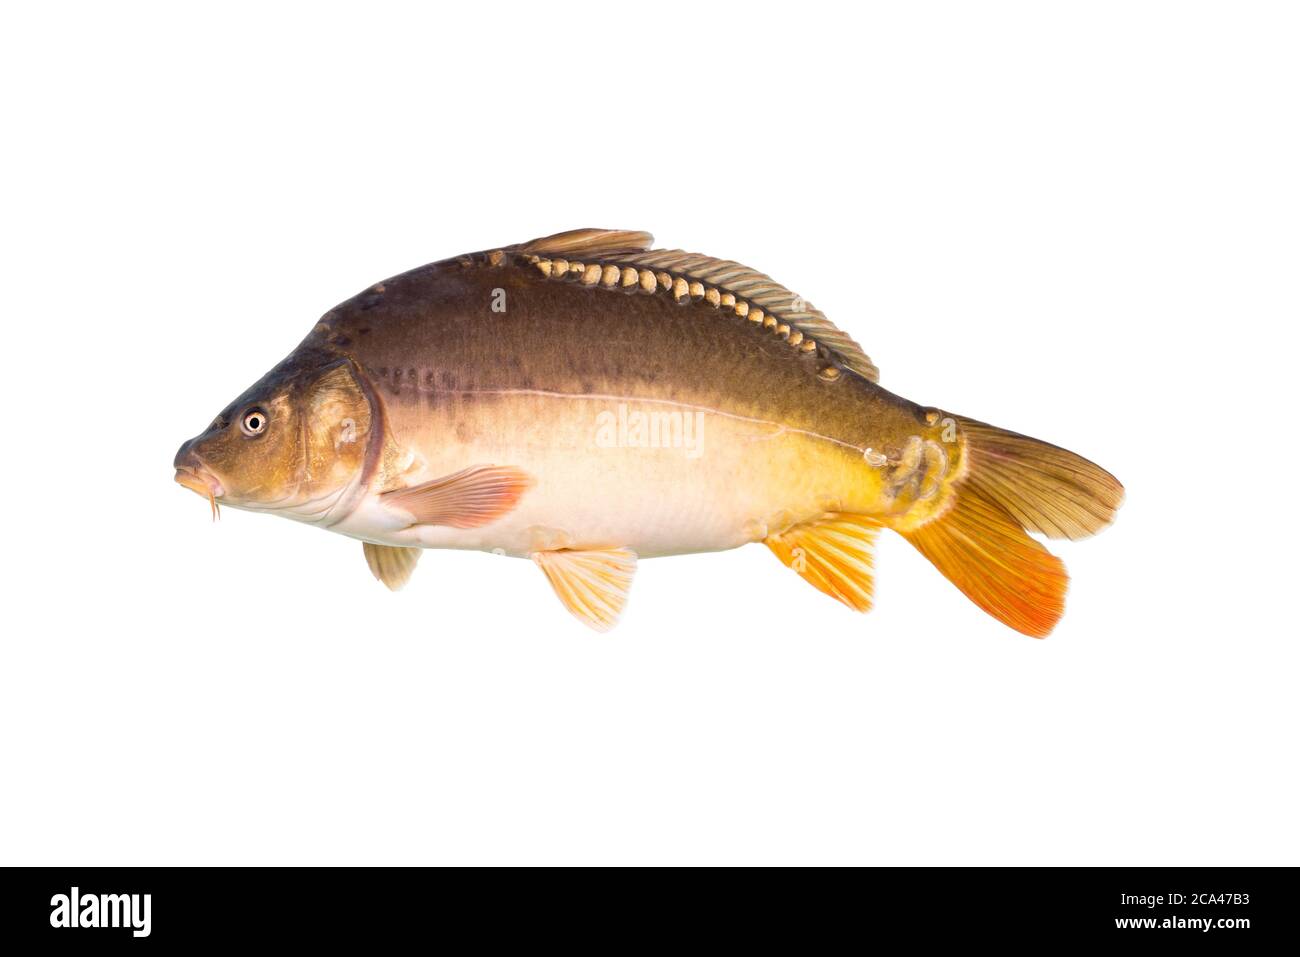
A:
(592, 584)
(834, 554)
(391, 564)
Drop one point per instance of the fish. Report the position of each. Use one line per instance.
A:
(585, 401)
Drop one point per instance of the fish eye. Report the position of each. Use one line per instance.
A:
(254, 422)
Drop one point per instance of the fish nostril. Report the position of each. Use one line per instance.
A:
(188, 459)
(184, 455)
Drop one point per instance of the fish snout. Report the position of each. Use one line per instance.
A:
(194, 475)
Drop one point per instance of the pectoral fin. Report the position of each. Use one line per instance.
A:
(592, 584)
(834, 555)
(390, 564)
(469, 498)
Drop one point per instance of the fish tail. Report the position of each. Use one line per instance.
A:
(1010, 485)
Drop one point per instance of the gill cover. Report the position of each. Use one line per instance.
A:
(337, 424)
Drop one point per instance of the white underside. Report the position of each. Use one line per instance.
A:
(741, 481)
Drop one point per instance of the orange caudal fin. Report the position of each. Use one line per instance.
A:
(982, 550)
(1010, 485)
(1045, 488)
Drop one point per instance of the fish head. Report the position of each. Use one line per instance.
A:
(291, 444)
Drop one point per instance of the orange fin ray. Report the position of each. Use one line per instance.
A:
(391, 564)
(593, 584)
(467, 499)
(835, 555)
(982, 550)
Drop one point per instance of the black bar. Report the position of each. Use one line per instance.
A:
(1223, 908)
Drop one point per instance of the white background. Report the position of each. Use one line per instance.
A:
(1077, 221)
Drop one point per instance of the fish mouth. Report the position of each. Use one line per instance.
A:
(199, 480)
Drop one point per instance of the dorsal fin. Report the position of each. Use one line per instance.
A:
(762, 291)
(687, 274)
(589, 242)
